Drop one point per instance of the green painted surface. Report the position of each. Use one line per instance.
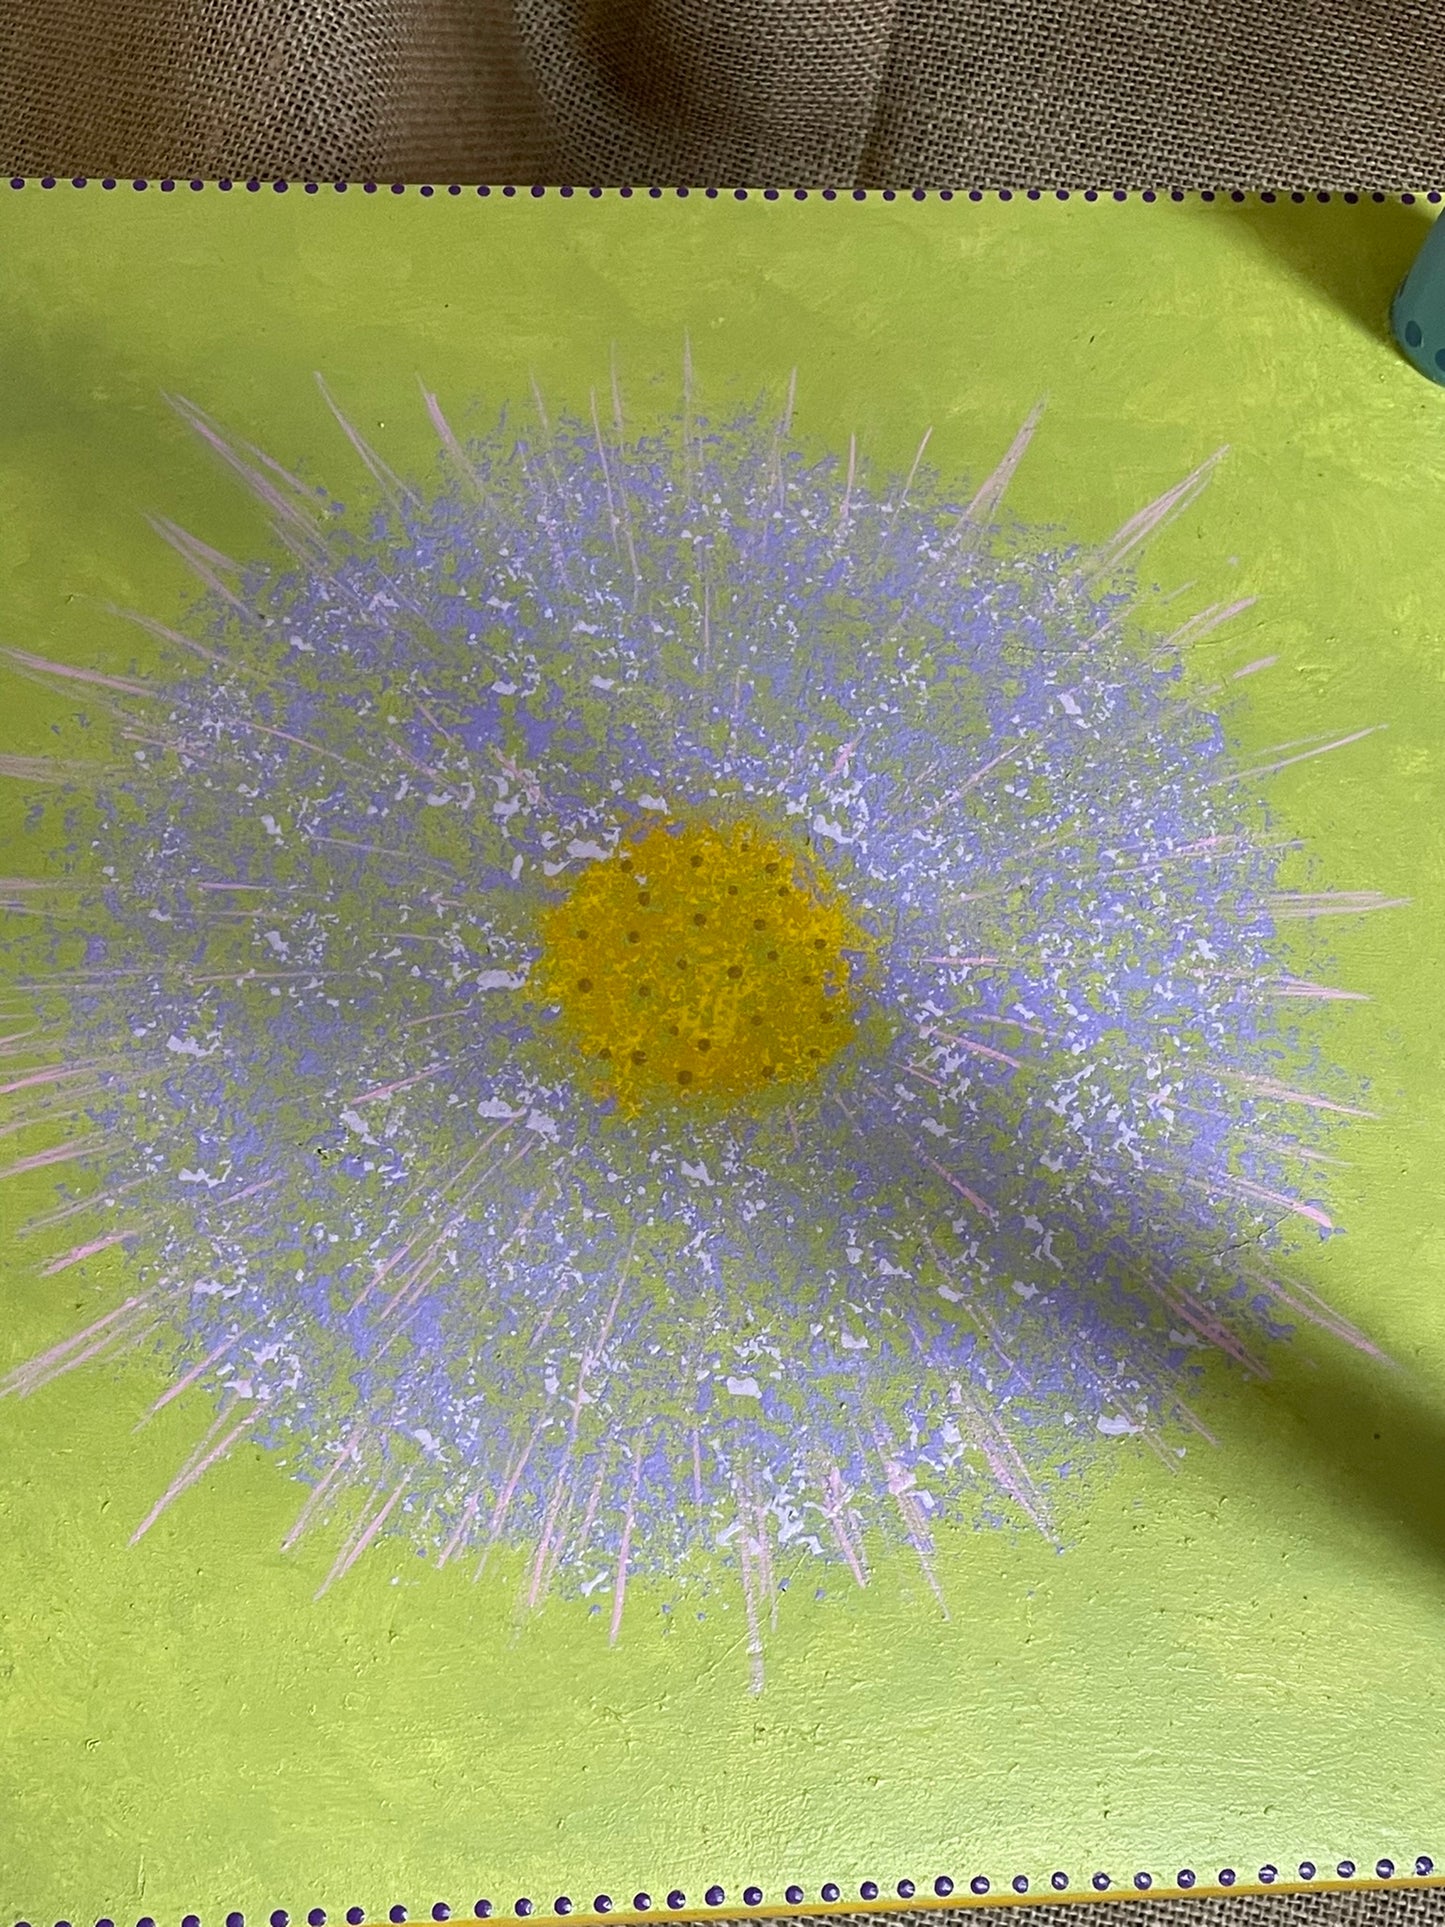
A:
(1242, 1663)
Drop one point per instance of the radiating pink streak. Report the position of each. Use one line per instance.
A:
(624, 1551)
(1209, 1327)
(424, 769)
(1287, 762)
(47, 1220)
(1265, 1196)
(612, 515)
(281, 505)
(925, 1077)
(995, 1017)
(212, 1357)
(90, 1250)
(252, 1190)
(52, 1113)
(971, 1305)
(346, 1456)
(902, 501)
(448, 440)
(16, 1382)
(406, 858)
(1305, 1304)
(696, 1466)
(898, 1479)
(403, 1083)
(80, 1147)
(1301, 987)
(1253, 668)
(1140, 527)
(959, 962)
(188, 1478)
(1193, 1420)
(441, 1017)
(349, 1556)
(387, 1265)
(837, 1515)
(52, 1074)
(71, 672)
(390, 483)
(845, 509)
(1005, 755)
(981, 509)
(203, 562)
(750, 1608)
(504, 1500)
(957, 1183)
(48, 769)
(175, 637)
(7, 1044)
(463, 1527)
(1338, 903)
(584, 1531)
(1207, 621)
(1005, 1462)
(418, 1279)
(1266, 1087)
(971, 1044)
(561, 1486)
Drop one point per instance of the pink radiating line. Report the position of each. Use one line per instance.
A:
(1210, 1327)
(42, 665)
(834, 1514)
(401, 856)
(53, 1074)
(1252, 668)
(1343, 905)
(544, 1537)
(387, 1265)
(58, 1154)
(15, 1381)
(991, 494)
(1300, 987)
(1193, 1419)
(183, 1384)
(1287, 762)
(203, 561)
(1008, 1468)
(584, 1532)
(1305, 1304)
(1207, 621)
(1268, 1088)
(448, 439)
(1266, 1196)
(957, 1183)
(1140, 527)
(251, 1190)
(375, 466)
(402, 1084)
(464, 1524)
(1004, 756)
(750, 1607)
(347, 1559)
(971, 1044)
(902, 501)
(420, 1275)
(189, 1478)
(347, 1455)
(898, 1479)
(87, 1251)
(504, 1500)
(961, 961)
(696, 1466)
(267, 492)
(624, 1553)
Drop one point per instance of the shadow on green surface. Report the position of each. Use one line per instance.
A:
(1355, 256)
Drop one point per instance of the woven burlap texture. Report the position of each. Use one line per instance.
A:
(904, 93)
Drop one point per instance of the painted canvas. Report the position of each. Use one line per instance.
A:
(722, 1085)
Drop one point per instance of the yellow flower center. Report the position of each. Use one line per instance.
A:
(701, 962)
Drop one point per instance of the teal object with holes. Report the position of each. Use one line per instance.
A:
(1417, 317)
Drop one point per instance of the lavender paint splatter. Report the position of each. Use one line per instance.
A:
(374, 1210)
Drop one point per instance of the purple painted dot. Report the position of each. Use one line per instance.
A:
(1099, 1882)
(752, 1896)
(1176, 194)
(906, 1890)
(196, 186)
(1058, 1881)
(868, 1890)
(919, 194)
(1206, 194)
(1186, 1877)
(793, 1895)
(602, 1904)
(561, 1905)
(595, 192)
(714, 1896)
(484, 191)
(1268, 1875)
(830, 1892)
(1091, 194)
(140, 186)
(1227, 1877)
(974, 194)
(800, 193)
(979, 1884)
(770, 194)
(341, 186)
(396, 1915)
(78, 180)
(253, 186)
(225, 185)
(455, 188)
(355, 1916)
(47, 180)
(316, 1918)
(1149, 195)
(441, 1911)
(398, 187)
(1236, 194)
(1424, 1865)
(1020, 1883)
(829, 193)
(1346, 1870)
(889, 194)
(1033, 193)
(523, 1909)
(654, 193)
(625, 192)
(1384, 1870)
(280, 1918)
(368, 187)
(1307, 1870)
(145, 1921)
(1120, 194)
(945, 194)
(1005, 194)
(106, 1921)
(1143, 1882)
(481, 1910)
(168, 187)
(943, 1886)
(280, 187)
(232, 1920)
(642, 1903)
(108, 183)
(677, 1898)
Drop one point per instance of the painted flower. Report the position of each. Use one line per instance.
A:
(664, 1006)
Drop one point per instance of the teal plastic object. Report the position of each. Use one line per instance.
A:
(1417, 316)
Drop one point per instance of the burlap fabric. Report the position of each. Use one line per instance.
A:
(904, 93)
(933, 93)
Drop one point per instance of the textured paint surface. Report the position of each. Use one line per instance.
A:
(1177, 861)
